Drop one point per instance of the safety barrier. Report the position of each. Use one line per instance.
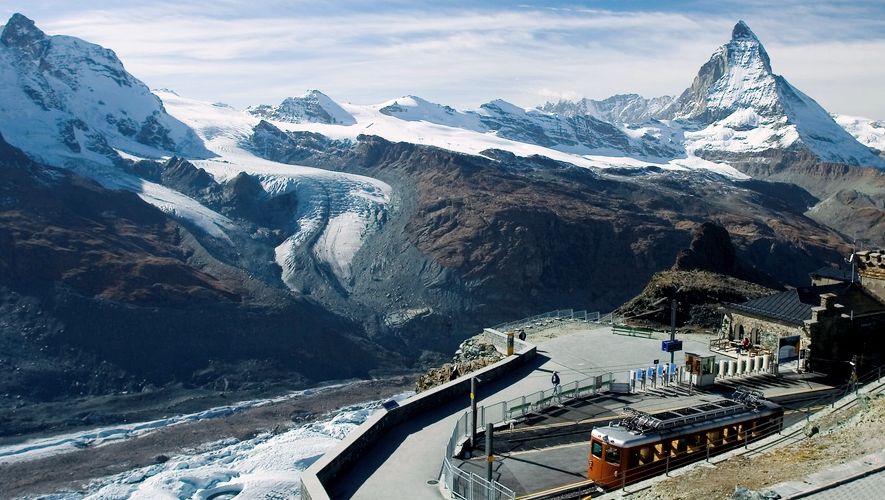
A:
(663, 374)
(549, 318)
(458, 481)
(469, 486)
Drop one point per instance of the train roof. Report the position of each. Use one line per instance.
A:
(705, 416)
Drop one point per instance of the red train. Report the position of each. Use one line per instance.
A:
(643, 445)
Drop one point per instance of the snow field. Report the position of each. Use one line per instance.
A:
(267, 466)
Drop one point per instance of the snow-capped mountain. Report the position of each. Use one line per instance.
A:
(870, 133)
(311, 107)
(748, 108)
(63, 99)
(405, 224)
(618, 109)
(735, 106)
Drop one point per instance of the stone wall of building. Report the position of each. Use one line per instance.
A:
(762, 331)
(871, 269)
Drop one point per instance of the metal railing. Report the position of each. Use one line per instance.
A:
(472, 487)
(469, 486)
(549, 318)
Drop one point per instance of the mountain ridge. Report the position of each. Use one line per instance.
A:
(408, 224)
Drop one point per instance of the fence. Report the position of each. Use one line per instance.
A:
(549, 318)
(467, 486)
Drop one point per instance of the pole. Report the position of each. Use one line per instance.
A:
(473, 412)
(672, 328)
(490, 457)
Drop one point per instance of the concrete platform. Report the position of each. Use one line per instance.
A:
(409, 456)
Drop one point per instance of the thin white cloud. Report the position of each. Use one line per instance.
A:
(463, 57)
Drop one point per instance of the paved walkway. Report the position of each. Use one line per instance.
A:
(411, 454)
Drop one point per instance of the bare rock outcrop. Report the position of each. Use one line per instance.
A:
(473, 354)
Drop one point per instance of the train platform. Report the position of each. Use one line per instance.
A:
(550, 449)
(409, 456)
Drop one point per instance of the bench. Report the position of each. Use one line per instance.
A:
(519, 410)
(632, 331)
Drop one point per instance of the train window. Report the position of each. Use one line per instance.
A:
(659, 451)
(714, 438)
(730, 433)
(633, 460)
(596, 449)
(695, 442)
(612, 454)
(645, 455)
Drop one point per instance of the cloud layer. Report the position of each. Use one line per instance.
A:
(468, 53)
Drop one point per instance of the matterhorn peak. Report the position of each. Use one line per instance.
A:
(743, 32)
(21, 32)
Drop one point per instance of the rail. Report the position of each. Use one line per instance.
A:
(549, 318)
(458, 482)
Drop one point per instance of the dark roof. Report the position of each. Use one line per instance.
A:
(792, 306)
(834, 273)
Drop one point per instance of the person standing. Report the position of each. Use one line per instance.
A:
(556, 389)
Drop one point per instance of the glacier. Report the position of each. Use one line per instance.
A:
(336, 211)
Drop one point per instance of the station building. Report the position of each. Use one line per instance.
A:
(840, 316)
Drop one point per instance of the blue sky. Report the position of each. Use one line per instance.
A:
(465, 53)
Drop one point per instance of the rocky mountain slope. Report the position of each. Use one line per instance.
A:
(704, 276)
(100, 291)
(81, 100)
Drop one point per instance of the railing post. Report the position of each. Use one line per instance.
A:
(708, 450)
(667, 465)
(472, 412)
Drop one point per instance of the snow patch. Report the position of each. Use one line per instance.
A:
(870, 133)
(44, 447)
(267, 466)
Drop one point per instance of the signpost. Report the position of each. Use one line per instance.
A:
(671, 346)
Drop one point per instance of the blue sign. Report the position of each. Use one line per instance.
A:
(651, 373)
(671, 345)
(639, 374)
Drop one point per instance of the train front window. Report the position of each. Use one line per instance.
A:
(596, 449)
(612, 454)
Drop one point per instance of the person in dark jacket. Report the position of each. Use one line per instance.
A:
(556, 388)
